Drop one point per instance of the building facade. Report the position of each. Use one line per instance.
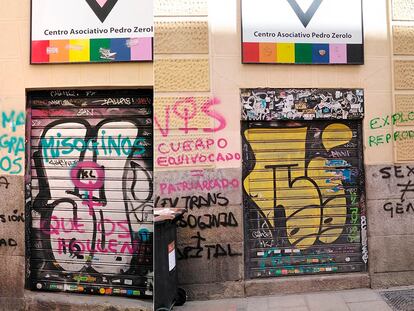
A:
(295, 177)
(67, 131)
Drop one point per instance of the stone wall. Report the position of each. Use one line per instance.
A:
(390, 200)
(12, 238)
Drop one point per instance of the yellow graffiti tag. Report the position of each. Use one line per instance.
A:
(335, 135)
(279, 179)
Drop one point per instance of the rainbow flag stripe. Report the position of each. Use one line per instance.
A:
(302, 53)
(91, 50)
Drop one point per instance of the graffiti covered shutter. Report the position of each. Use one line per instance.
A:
(91, 192)
(303, 187)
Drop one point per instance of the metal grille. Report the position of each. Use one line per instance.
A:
(90, 173)
(303, 198)
(400, 300)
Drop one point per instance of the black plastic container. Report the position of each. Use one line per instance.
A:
(167, 294)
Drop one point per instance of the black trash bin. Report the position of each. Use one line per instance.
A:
(167, 294)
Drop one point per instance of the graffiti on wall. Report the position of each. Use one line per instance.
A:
(8, 218)
(185, 128)
(403, 205)
(301, 104)
(12, 145)
(303, 198)
(92, 200)
(207, 196)
(386, 122)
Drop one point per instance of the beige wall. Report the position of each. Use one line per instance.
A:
(17, 75)
(402, 28)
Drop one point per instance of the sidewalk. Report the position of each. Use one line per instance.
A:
(350, 300)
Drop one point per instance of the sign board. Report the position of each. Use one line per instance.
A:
(302, 31)
(78, 31)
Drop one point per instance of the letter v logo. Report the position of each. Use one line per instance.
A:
(305, 18)
(102, 8)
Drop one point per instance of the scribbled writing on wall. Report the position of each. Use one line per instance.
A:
(92, 202)
(201, 248)
(301, 104)
(388, 120)
(12, 144)
(185, 127)
(208, 196)
(385, 122)
(302, 191)
(55, 146)
(12, 217)
(404, 205)
(204, 185)
(199, 151)
(87, 98)
(183, 112)
(7, 217)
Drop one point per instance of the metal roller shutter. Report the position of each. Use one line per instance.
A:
(303, 190)
(89, 192)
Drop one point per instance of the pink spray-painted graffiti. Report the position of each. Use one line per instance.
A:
(186, 110)
(92, 197)
(85, 171)
(184, 128)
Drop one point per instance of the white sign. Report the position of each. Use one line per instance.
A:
(302, 21)
(76, 19)
(171, 256)
(330, 21)
(90, 19)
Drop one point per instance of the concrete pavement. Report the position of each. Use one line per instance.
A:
(349, 300)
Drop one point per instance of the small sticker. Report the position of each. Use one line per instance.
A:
(171, 256)
(127, 282)
(53, 286)
(52, 50)
(132, 42)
